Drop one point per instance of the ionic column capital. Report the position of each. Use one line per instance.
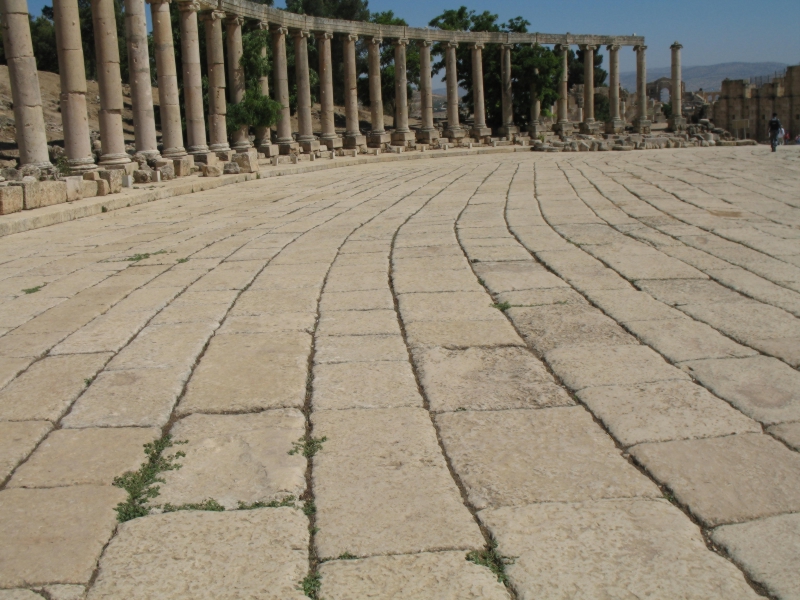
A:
(588, 47)
(279, 29)
(639, 48)
(323, 35)
(188, 5)
(212, 15)
(613, 47)
(452, 44)
(300, 33)
(476, 45)
(425, 43)
(234, 20)
(561, 48)
(676, 46)
(351, 37)
(375, 41)
(263, 25)
(401, 42)
(508, 46)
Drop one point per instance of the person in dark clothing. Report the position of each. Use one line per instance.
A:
(774, 130)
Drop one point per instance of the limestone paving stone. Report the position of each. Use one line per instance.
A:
(292, 321)
(47, 389)
(261, 302)
(11, 367)
(378, 299)
(768, 551)
(352, 279)
(237, 458)
(727, 480)
(662, 411)
(685, 339)
(508, 253)
(381, 486)
(84, 457)
(246, 372)
(636, 261)
(230, 276)
(385, 384)
(440, 575)
(462, 333)
(539, 297)
(128, 398)
(17, 441)
(748, 322)
(616, 548)
(259, 553)
(789, 433)
(554, 326)
(761, 387)
(399, 254)
(19, 594)
(367, 322)
(512, 276)
(516, 457)
(629, 305)
(441, 280)
(580, 367)
(65, 592)
(54, 535)
(164, 346)
(107, 333)
(486, 379)
(448, 306)
(359, 348)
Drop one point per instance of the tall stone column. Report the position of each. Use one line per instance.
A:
(377, 136)
(535, 127)
(508, 129)
(479, 128)
(285, 140)
(144, 120)
(454, 130)
(616, 123)
(328, 138)
(427, 133)
(110, 83)
(218, 133)
(74, 115)
(352, 135)
(587, 123)
(305, 134)
(677, 122)
(642, 124)
(168, 95)
(24, 78)
(263, 134)
(192, 80)
(233, 41)
(563, 90)
(401, 134)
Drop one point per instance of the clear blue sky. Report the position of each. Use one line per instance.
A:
(711, 31)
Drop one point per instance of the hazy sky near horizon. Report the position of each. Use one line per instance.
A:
(711, 31)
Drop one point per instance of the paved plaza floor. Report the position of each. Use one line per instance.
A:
(517, 376)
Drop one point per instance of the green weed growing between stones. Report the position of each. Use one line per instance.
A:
(140, 484)
(311, 585)
(183, 260)
(307, 446)
(490, 558)
(347, 556)
(207, 504)
(503, 306)
(138, 257)
(33, 290)
(288, 501)
(309, 508)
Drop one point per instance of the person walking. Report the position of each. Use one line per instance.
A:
(775, 128)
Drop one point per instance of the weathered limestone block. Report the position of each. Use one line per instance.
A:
(166, 172)
(74, 188)
(10, 199)
(142, 176)
(92, 188)
(37, 194)
(114, 179)
(212, 170)
(247, 161)
(183, 165)
(231, 168)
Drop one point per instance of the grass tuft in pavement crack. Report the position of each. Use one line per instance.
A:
(307, 446)
(490, 558)
(311, 585)
(140, 484)
(288, 501)
(33, 290)
(503, 306)
(207, 504)
(138, 257)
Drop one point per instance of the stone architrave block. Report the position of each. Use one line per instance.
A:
(74, 188)
(114, 179)
(183, 165)
(10, 199)
(37, 194)
(212, 170)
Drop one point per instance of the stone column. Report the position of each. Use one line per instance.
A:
(563, 90)
(352, 136)
(616, 124)
(72, 74)
(454, 130)
(218, 134)
(587, 123)
(401, 134)
(305, 134)
(24, 78)
(508, 129)
(168, 95)
(285, 140)
(328, 138)
(192, 80)
(144, 121)
(110, 83)
(233, 41)
(642, 124)
(377, 136)
(535, 126)
(427, 133)
(479, 129)
(263, 140)
(676, 122)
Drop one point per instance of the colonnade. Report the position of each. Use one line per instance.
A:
(207, 134)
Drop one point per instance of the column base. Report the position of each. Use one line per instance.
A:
(401, 138)
(287, 147)
(615, 126)
(147, 155)
(79, 166)
(309, 146)
(206, 158)
(128, 167)
(353, 141)
(378, 138)
(269, 150)
(109, 160)
(537, 128)
(563, 128)
(427, 136)
(677, 124)
(331, 143)
(197, 150)
(176, 152)
(456, 133)
(642, 125)
(591, 127)
(480, 132)
(508, 131)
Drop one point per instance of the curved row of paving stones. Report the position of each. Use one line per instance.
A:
(354, 308)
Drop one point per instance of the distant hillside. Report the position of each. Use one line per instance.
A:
(709, 77)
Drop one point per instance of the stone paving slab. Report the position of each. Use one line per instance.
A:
(624, 548)
(440, 575)
(377, 384)
(17, 441)
(789, 433)
(259, 553)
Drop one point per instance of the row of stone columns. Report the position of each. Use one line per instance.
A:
(199, 141)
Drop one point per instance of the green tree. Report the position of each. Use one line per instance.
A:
(575, 69)
(43, 36)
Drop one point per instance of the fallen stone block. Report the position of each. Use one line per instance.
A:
(142, 176)
(74, 188)
(212, 170)
(246, 161)
(37, 194)
(231, 168)
(182, 166)
(167, 172)
(91, 188)
(10, 199)
(114, 179)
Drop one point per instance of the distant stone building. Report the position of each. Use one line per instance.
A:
(741, 103)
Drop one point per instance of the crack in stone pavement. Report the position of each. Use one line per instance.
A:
(488, 377)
